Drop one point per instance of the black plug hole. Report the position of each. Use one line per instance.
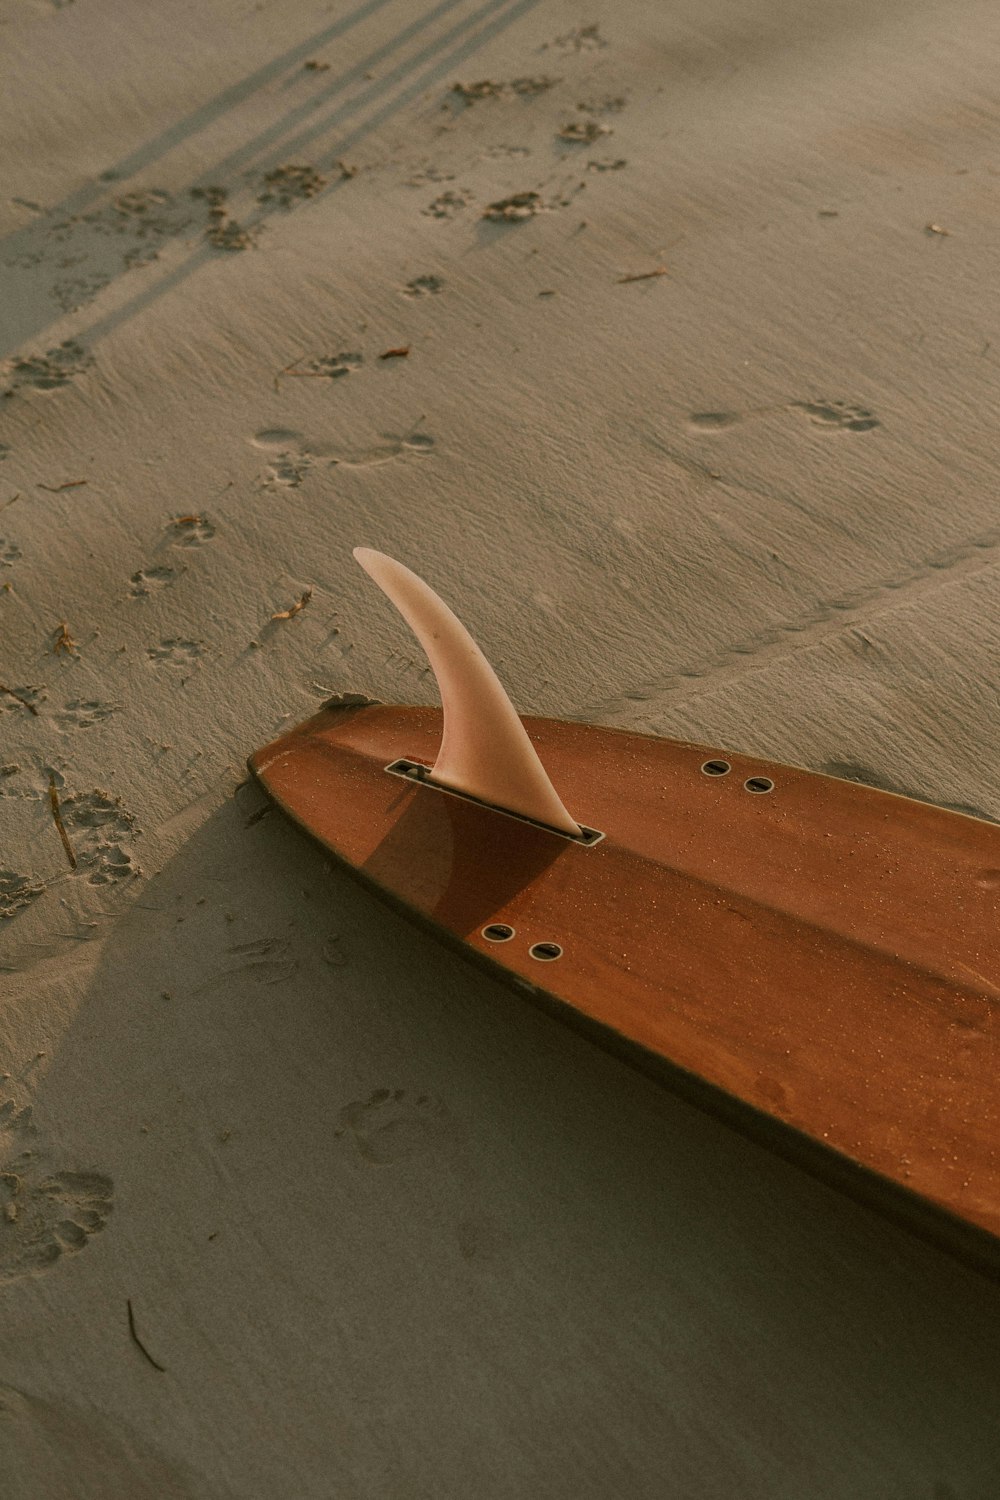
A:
(498, 932)
(545, 951)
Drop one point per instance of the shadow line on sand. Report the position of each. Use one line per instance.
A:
(487, 21)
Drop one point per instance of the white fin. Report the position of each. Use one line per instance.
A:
(485, 750)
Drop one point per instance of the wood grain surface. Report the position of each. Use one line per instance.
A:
(824, 953)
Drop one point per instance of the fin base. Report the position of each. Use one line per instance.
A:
(417, 771)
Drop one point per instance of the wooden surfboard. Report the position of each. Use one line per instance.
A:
(826, 954)
(816, 961)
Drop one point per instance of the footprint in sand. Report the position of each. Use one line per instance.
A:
(188, 531)
(414, 445)
(175, 652)
(582, 132)
(583, 39)
(423, 286)
(604, 104)
(265, 961)
(447, 204)
(294, 455)
(19, 700)
(278, 440)
(99, 830)
(840, 414)
(284, 469)
(82, 713)
(835, 415)
(429, 174)
(44, 1214)
(332, 366)
(84, 252)
(713, 421)
(291, 184)
(16, 892)
(488, 88)
(147, 580)
(73, 292)
(46, 372)
(392, 1125)
(334, 952)
(290, 461)
(515, 209)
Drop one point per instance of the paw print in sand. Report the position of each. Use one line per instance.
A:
(100, 831)
(84, 713)
(44, 1214)
(189, 531)
(16, 892)
(147, 580)
(173, 651)
(393, 1125)
(842, 414)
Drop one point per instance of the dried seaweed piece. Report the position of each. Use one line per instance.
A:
(17, 697)
(644, 275)
(60, 825)
(293, 609)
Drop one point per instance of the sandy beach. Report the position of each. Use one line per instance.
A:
(663, 341)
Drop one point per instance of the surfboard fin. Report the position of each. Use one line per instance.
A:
(485, 750)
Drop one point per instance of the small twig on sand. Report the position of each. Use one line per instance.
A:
(301, 374)
(137, 1341)
(60, 825)
(14, 497)
(69, 484)
(23, 701)
(644, 275)
(399, 353)
(293, 609)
